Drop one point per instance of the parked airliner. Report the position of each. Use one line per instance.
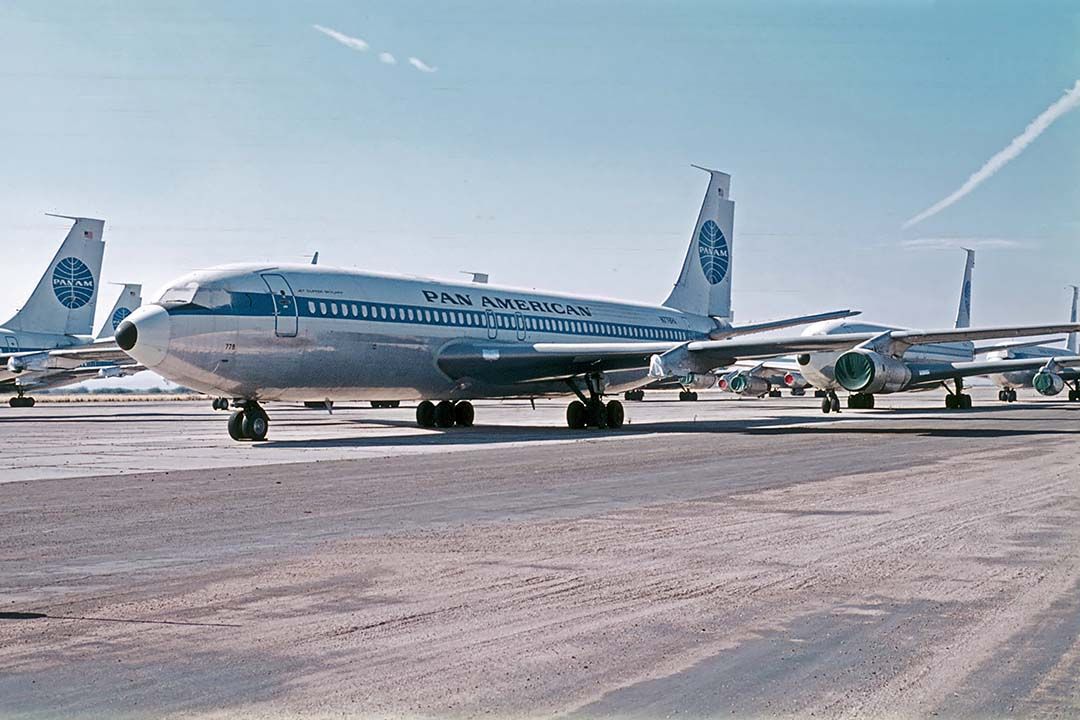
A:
(299, 332)
(891, 362)
(1050, 379)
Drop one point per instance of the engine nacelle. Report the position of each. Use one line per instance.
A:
(1048, 383)
(748, 385)
(865, 371)
(795, 381)
(698, 381)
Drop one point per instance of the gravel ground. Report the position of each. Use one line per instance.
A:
(901, 564)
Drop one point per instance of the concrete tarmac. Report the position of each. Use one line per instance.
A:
(717, 558)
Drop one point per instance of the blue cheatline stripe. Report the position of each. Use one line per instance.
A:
(262, 305)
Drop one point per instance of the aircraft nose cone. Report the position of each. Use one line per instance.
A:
(145, 335)
(126, 335)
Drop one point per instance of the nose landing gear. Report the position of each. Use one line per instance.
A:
(830, 402)
(20, 400)
(250, 422)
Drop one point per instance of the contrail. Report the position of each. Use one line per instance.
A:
(1035, 128)
(346, 40)
(421, 65)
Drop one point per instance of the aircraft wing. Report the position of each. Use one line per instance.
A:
(101, 351)
(898, 341)
(949, 371)
(535, 362)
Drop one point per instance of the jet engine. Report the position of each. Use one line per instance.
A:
(698, 381)
(865, 371)
(1048, 383)
(795, 381)
(748, 385)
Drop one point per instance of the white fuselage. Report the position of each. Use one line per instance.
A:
(305, 332)
(820, 368)
(17, 341)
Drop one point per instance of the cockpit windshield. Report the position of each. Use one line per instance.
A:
(192, 293)
(179, 295)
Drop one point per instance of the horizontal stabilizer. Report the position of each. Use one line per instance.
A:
(736, 330)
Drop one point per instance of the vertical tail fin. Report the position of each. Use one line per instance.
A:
(704, 285)
(1073, 344)
(64, 299)
(963, 314)
(129, 301)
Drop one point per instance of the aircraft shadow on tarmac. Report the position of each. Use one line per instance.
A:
(496, 434)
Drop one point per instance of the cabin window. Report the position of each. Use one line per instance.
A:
(393, 313)
(333, 308)
(311, 307)
(322, 308)
(382, 312)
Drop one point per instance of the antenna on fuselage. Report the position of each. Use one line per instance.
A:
(315, 258)
(477, 277)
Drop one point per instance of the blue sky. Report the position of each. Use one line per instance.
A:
(552, 147)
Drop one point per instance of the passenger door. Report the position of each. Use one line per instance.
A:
(519, 323)
(12, 343)
(286, 317)
(492, 328)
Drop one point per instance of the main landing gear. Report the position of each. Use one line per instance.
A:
(634, 395)
(445, 414)
(250, 422)
(21, 401)
(957, 400)
(861, 401)
(687, 396)
(829, 402)
(1009, 395)
(592, 411)
(220, 403)
(1074, 392)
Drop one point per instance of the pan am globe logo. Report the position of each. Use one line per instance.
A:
(73, 283)
(713, 252)
(118, 316)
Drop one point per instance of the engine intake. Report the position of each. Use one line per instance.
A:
(746, 384)
(1048, 383)
(865, 371)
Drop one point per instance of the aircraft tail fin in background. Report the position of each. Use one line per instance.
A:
(963, 314)
(129, 301)
(1073, 343)
(64, 299)
(704, 284)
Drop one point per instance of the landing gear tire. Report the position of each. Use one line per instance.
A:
(221, 403)
(965, 402)
(1012, 395)
(1073, 395)
(687, 396)
(774, 393)
(861, 401)
(634, 395)
(236, 426)
(834, 403)
(464, 414)
(22, 401)
(951, 402)
(425, 414)
(576, 416)
(615, 414)
(826, 404)
(1003, 397)
(385, 403)
(255, 424)
(444, 414)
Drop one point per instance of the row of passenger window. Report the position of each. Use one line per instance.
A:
(468, 318)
